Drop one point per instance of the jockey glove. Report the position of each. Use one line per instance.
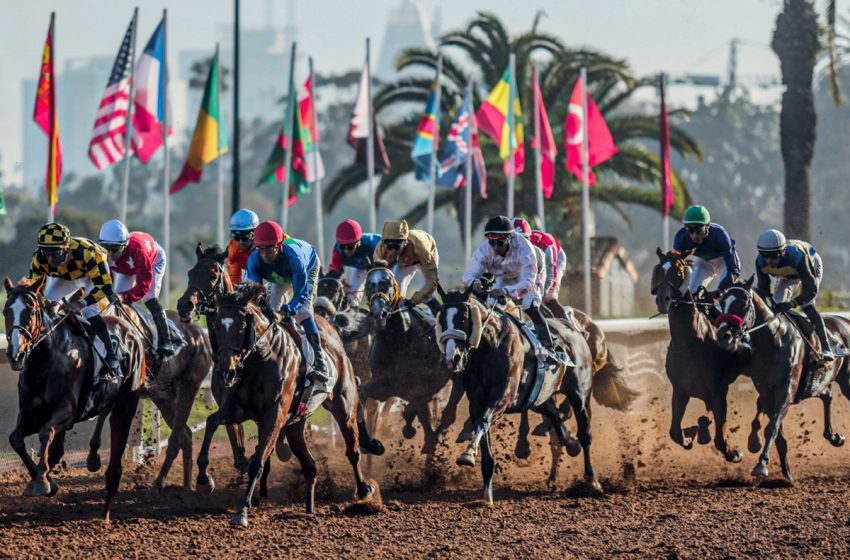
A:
(286, 309)
(477, 287)
(497, 293)
(784, 306)
(73, 306)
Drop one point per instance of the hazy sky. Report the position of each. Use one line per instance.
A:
(675, 36)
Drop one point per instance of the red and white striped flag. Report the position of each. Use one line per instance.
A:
(110, 126)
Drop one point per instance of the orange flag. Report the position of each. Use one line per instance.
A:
(45, 117)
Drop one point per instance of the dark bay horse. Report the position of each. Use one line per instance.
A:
(696, 366)
(497, 363)
(780, 357)
(257, 378)
(57, 365)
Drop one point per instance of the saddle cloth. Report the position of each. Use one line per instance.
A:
(147, 318)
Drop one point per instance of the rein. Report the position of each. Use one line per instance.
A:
(206, 301)
(244, 353)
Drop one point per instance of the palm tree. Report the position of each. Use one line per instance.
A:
(631, 177)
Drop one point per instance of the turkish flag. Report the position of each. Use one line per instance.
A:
(600, 144)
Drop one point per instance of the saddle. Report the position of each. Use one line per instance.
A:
(304, 402)
(817, 375)
(147, 321)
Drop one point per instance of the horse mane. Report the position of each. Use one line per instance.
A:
(25, 282)
(213, 252)
(380, 264)
(248, 292)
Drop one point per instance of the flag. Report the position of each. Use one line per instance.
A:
(456, 150)
(358, 131)
(303, 172)
(600, 144)
(209, 140)
(44, 115)
(427, 133)
(548, 151)
(493, 119)
(664, 141)
(2, 203)
(149, 82)
(107, 142)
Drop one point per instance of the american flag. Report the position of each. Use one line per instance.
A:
(110, 126)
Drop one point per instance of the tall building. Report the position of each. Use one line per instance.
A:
(408, 26)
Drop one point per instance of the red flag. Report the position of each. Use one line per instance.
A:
(600, 144)
(45, 117)
(548, 151)
(664, 140)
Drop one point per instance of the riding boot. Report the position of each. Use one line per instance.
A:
(319, 374)
(820, 329)
(543, 333)
(113, 367)
(165, 345)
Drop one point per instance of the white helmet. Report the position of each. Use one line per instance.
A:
(771, 240)
(114, 232)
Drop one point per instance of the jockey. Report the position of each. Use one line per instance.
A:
(715, 251)
(510, 258)
(556, 259)
(795, 264)
(71, 263)
(280, 259)
(137, 264)
(353, 249)
(408, 250)
(538, 253)
(242, 226)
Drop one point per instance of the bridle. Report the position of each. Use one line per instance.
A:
(742, 325)
(391, 301)
(44, 328)
(249, 344)
(207, 300)
(337, 288)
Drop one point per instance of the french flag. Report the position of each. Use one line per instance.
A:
(150, 78)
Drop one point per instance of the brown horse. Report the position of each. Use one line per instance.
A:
(781, 355)
(696, 366)
(57, 364)
(257, 378)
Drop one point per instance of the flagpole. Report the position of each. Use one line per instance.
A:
(511, 162)
(51, 160)
(432, 175)
(665, 220)
(166, 205)
(290, 140)
(128, 149)
(585, 193)
(219, 158)
(314, 128)
(538, 162)
(370, 146)
(467, 195)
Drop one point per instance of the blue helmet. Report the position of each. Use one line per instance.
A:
(244, 220)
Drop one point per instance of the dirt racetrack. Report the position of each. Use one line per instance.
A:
(677, 504)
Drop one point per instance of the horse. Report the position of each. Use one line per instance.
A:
(696, 366)
(208, 281)
(404, 358)
(55, 388)
(781, 355)
(497, 363)
(256, 378)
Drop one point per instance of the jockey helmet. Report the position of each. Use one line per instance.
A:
(522, 227)
(770, 241)
(54, 235)
(348, 232)
(268, 234)
(499, 225)
(244, 220)
(395, 229)
(697, 215)
(114, 232)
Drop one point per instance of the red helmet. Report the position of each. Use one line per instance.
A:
(268, 234)
(522, 227)
(348, 232)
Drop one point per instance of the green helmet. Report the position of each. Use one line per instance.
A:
(696, 215)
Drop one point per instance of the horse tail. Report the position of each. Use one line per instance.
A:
(610, 387)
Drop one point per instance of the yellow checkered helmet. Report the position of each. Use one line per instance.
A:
(53, 235)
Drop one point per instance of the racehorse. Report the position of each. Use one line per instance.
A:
(781, 355)
(498, 365)
(696, 366)
(257, 378)
(56, 384)
(404, 359)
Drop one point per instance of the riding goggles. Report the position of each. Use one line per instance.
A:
(242, 235)
(393, 244)
(771, 254)
(695, 229)
(48, 252)
(498, 239)
(113, 247)
(350, 246)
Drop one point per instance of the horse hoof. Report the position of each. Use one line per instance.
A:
(205, 488)
(40, 488)
(596, 486)
(837, 440)
(734, 456)
(703, 433)
(754, 444)
(54, 487)
(466, 459)
(284, 453)
(93, 463)
(541, 430)
(409, 432)
(241, 465)
(522, 450)
(239, 520)
(373, 447)
(760, 471)
(573, 447)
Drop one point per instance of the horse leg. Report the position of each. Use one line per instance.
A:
(236, 435)
(488, 467)
(264, 483)
(204, 483)
(429, 445)
(17, 442)
(754, 441)
(679, 404)
(57, 450)
(582, 411)
(371, 409)
(836, 439)
(268, 430)
(782, 451)
(408, 414)
(551, 413)
(295, 436)
(42, 484)
(93, 463)
(345, 417)
(449, 415)
(120, 420)
(555, 450)
(175, 442)
(775, 415)
(721, 438)
(480, 428)
(523, 448)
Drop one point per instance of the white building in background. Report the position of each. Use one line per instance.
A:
(408, 26)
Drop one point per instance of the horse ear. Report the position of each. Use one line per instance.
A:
(441, 292)
(8, 284)
(749, 283)
(467, 292)
(39, 285)
(660, 253)
(199, 250)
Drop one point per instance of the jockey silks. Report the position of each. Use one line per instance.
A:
(717, 244)
(294, 262)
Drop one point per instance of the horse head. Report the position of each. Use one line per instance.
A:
(332, 288)
(208, 280)
(382, 293)
(458, 327)
(24, 317)
(671, 279)
(237, 320)
(738, 315)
